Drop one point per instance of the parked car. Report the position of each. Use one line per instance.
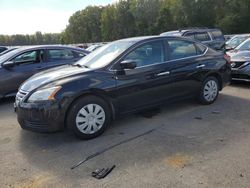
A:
(244, 46)
(20, 64)
(236, 41)
(211, 37)
(240, 61)
(228, 37)
(2, 48)
(122, 77)
(94, 47)
(241, 66)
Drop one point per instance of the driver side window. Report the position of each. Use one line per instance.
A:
(147, 54)
(30, 57)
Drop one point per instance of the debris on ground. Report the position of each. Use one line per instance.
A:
(111, 147)
(216, 112)
(221, 140)
(198, 118)
(150, 113)
(102, 173)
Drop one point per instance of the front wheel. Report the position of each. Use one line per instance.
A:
(209, 90)
(89, 117)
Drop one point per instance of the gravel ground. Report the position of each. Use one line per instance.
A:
(191, 146)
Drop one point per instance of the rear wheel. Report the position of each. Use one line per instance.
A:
(209, 90)
(89, 117)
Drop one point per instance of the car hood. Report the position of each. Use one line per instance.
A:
(241, 56)
(51, 75)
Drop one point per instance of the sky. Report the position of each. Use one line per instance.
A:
(47, 16)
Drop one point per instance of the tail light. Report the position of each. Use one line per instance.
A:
(228, 58)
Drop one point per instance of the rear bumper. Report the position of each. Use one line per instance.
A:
(226, 75)
(40, 117)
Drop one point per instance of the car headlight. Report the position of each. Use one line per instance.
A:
(44, 94)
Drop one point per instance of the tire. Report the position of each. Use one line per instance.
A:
(209, 90)
(86, 124)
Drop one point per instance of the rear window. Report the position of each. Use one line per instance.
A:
(202, 36)
(78, 54)
(60, 54)
(190, 35)
(217, 34)
(181, 49)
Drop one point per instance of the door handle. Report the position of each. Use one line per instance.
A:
(200, 66)
(163, 73)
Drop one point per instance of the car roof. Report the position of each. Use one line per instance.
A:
(184, 30)
(144, 38)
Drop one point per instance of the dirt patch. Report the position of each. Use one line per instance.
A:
(177, 160)
(40, 181)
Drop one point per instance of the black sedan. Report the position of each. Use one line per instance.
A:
(122, 77)
(19, 64)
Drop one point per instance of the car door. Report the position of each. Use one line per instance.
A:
(57, 57)
(25, 65)
(187, 64)
(148, 83)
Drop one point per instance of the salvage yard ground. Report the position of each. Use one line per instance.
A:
(193, 146)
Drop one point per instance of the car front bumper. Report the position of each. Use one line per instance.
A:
(40, 117)
(242, 73)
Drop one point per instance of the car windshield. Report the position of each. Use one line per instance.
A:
(236, 41)
(244, 46)
(105, 55)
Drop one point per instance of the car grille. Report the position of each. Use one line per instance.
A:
(33, 124)
(237, 64)
(21, 94)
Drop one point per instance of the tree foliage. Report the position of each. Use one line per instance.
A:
(127, 18)
(37, 39)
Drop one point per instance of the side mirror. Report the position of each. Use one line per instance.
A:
(128, 64)
(8, 64)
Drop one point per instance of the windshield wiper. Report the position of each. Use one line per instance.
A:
(81, 66)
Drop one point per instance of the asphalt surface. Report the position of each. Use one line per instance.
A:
(190, 146)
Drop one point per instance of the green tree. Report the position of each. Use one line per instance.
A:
(84, 26)
(109, 24)
(165, 21)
